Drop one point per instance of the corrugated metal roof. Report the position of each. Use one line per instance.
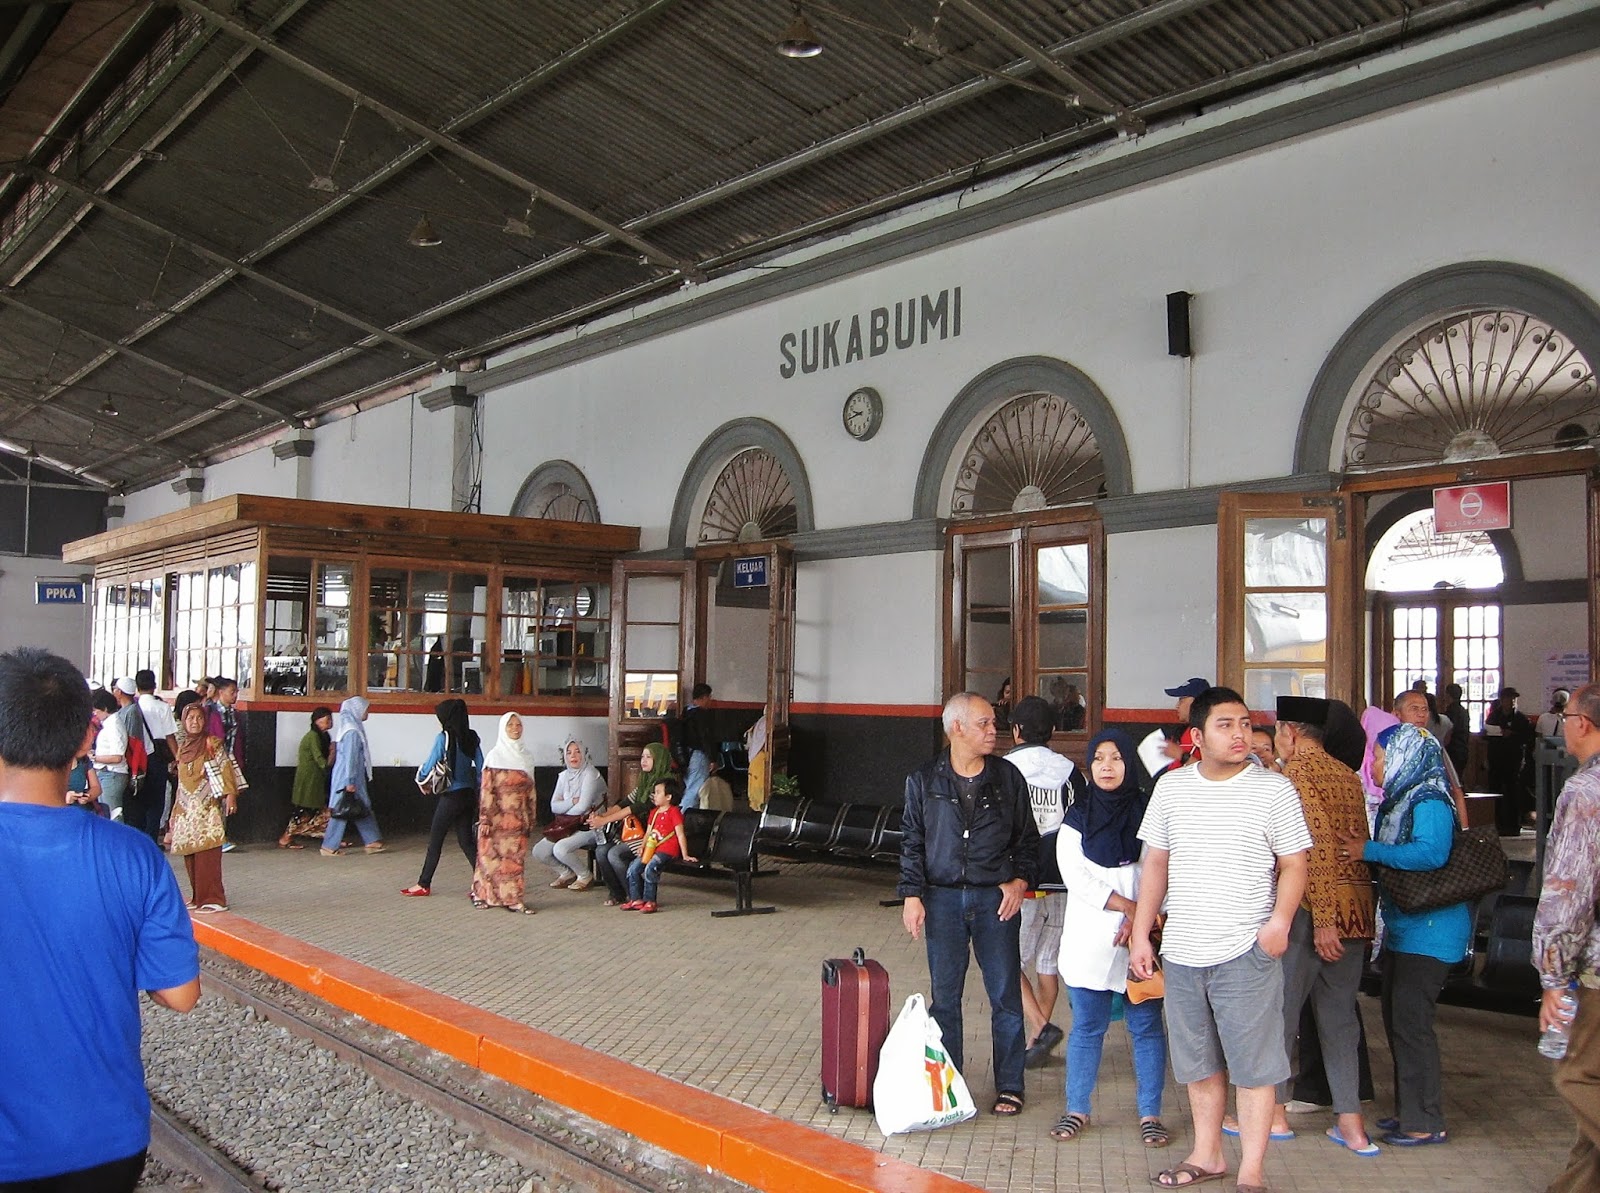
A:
(674, 118)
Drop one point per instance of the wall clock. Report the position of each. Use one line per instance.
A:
(863, 413)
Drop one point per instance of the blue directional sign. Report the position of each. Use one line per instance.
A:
(750, 572)
(58, 592)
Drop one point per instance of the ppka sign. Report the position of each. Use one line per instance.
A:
(1460, 508)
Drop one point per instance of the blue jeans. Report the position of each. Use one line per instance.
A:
(963, 923)
(113, 791)
(699, 772)
(644, 878)
(1091, 1015)
(366, 824)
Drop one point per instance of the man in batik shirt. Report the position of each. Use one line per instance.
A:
(1566, 940)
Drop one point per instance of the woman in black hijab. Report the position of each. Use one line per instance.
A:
(1100, 855)
(457, 808)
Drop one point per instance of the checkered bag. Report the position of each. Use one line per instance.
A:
(1477, 866)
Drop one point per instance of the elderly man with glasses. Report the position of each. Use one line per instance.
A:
(1566, 938)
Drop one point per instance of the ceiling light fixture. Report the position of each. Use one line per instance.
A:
(798, 41)
(423, 236)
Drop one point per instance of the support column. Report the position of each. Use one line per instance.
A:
(298, 446)
(191, 481)
(464, 453)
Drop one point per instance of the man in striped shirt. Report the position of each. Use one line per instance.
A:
(1227, 854)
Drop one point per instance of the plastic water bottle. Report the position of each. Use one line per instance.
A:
(1553, 1043)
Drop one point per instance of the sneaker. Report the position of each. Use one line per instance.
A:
(646, 907)
(228, 847)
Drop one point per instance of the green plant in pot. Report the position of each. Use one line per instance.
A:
(785, 786)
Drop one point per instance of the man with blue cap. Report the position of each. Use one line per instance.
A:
(1157, 751)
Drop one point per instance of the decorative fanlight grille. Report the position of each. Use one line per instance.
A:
(752, 499)
(562, 502)
(1035, 452)
(1475, 385)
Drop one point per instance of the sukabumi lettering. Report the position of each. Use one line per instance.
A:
(910, 322)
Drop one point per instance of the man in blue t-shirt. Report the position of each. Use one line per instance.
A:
(92, 916)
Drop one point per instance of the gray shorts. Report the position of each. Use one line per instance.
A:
(1041, 931)
(1227, 1016)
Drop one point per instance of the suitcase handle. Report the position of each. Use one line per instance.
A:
(859, 956)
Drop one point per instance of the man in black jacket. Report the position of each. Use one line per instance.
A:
(967, 858)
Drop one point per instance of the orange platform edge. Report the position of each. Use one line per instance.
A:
(706, 1129)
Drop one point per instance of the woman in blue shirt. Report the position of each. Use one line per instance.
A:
(458, 806)
(1415, 829)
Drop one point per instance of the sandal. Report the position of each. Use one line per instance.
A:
(1153, 1133)
(612, 903)
(284, 843)
(582, 884)
(1068, 1126)
(563, 882)
(519, 909)
(1007, 1105)
(479, 903)
(1190, 1174)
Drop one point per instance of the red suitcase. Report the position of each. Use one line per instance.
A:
(855, 1022)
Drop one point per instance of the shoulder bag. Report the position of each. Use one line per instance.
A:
(437, 780)
(1477, 865)
(633, 833)
(562, 826)
(201, 826)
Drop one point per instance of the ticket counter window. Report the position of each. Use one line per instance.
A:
(554, 638)
(128, 619)
(426, 630)
(214, 622)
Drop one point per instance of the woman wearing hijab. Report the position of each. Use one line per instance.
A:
(457, 745)
(579, 791)
(1374, 721)
(1415, 829)
(206, 791)
(613, 856)
(310, 797)
(506, 813)
(352, 775)
(1100, 855)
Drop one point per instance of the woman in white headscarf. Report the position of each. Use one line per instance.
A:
(567, 840)
(352, 773)
(506, 812)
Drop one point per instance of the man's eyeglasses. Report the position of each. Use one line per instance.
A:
(1568, 715)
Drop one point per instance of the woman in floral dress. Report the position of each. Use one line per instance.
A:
(506, 814)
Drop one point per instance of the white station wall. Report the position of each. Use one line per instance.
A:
(62, 629)
(1283, 249)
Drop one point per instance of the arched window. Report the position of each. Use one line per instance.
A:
(1471, 386)
(751, 499)
(558, 490)
(1035, 452)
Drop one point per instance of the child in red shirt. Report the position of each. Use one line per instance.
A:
(664, 838)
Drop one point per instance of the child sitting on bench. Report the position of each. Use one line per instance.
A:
(663, 839)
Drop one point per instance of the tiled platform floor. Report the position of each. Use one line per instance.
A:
(731, 1005)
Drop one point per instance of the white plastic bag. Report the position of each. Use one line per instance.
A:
(917, 1088)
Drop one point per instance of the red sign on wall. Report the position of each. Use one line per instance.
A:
(1460, 508)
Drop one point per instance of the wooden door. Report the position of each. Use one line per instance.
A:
(1287, 601)
(653, 622)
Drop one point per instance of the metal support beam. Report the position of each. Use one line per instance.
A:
(226, 395)
(439, 139)
(952, 97)
(322, 306)
(1084, 92)
(347, 195)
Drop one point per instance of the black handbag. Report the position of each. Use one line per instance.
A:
(1477, 865)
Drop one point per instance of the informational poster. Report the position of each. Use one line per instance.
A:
(1567, 669)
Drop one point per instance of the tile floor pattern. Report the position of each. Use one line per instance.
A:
(731, 1006)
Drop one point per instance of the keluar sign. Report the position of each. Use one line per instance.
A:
(1458, 509)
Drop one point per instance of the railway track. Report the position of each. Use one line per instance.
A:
(564, 1149)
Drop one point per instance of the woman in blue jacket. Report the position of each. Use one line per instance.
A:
(1415, 829)
(457, 807)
